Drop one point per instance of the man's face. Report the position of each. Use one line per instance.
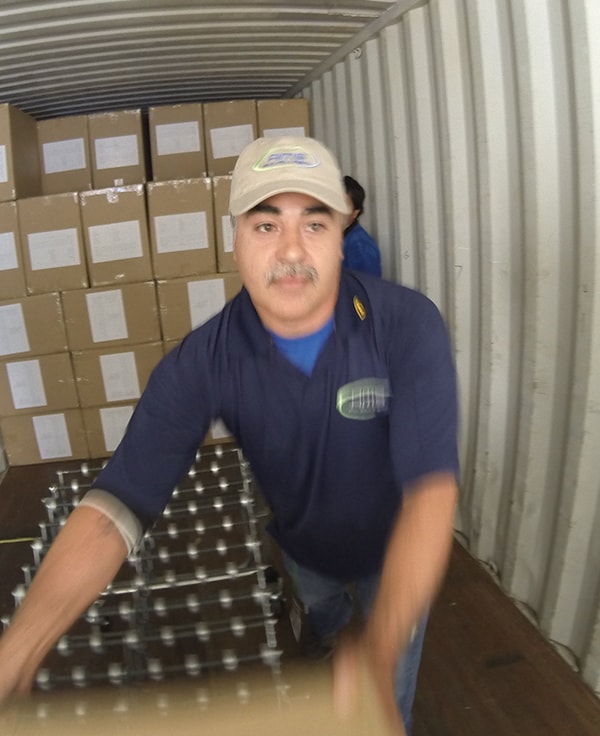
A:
(288, 250)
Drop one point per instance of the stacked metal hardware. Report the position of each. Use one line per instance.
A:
(196, 598)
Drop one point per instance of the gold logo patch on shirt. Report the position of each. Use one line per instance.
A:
(360, 308)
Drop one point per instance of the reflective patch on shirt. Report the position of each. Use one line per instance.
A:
(364, 399)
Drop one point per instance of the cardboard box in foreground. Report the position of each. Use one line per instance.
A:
(295, 703)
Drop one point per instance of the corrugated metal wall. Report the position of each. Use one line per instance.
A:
(475, 127)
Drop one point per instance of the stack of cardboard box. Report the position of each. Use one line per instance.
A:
(115, 241)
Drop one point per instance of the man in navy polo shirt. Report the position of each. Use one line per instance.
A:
(340, 389)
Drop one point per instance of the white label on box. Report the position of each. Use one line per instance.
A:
(116, 241)
(112, 153)
(227, 231)
(52, 436)
(206, 298)
(3, 165)
(230, 141)
(219, 429)
(120, 377)
(107, 315)
(172, 138)
(8, 252)
(26, 384)
(67, 155)
(114, 423)
(181, 232)
(279, 132)
(53, 249)
(13, 334)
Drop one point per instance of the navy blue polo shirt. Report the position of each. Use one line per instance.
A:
(331, 451)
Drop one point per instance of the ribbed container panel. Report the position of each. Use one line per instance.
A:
(474, 127)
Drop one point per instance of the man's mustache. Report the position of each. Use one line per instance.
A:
(291, 269)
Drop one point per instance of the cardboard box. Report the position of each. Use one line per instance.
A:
(218, 433)
(174, 706)
(223, 230)
(109, 317)
(105, 427)
(12, 274)
(228, 128)
(182, 228)
(283, 117)
(111, 375)
(19, 158)
(117, 148)
(30, 439)
(64, 150)
(177, 141)
(52, 243)
(115, 230)
(43, 383)
(32, 325)
(186, 303)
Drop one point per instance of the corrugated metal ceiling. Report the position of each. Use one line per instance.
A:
(59, 58)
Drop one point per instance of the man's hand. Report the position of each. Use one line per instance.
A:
(358, 676)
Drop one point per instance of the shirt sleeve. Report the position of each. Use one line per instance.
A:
(424, 405)
(164, 433)
(127, 523)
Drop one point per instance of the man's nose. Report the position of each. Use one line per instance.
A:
(291, 246)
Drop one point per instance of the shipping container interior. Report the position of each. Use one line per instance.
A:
(474, 126)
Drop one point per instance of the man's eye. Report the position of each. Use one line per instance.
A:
(265, 227)
(314, 226)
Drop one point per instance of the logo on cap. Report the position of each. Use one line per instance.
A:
(275, 158)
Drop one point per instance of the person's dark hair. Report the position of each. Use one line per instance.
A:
(356, 192)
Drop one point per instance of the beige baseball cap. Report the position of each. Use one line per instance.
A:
(269, 166)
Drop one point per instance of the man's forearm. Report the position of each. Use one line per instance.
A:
(414, 565)
(81, 562)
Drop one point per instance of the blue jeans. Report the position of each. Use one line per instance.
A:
(329, 607)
